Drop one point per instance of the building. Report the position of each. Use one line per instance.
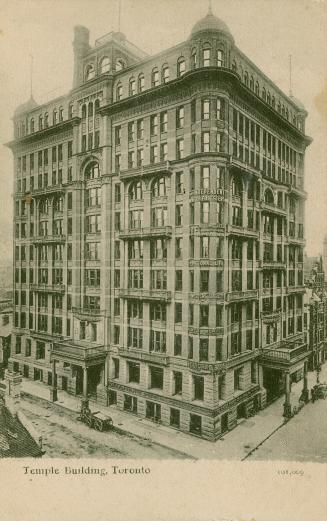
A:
(6, 310)
(315, 318)
(159, 232)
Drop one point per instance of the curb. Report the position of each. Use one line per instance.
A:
(119, 430)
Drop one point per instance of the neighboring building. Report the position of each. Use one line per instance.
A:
(6, 310)
(315, 319)
(159, 232)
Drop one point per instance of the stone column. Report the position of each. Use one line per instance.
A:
(287, 405)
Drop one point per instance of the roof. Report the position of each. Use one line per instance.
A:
(210, 23)
(26, 107)
(15, 441)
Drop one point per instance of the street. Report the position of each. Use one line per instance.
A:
(66, 437)
(303, 438)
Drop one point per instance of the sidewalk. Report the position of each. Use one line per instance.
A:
(235, 445)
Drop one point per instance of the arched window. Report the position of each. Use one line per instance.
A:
(132, 87)
(279, 107)
(135, 191)
(141, 82)
(32, 125)
(206, 56)
(181, 67)
(90, 110)
(257, 89)
(251, 83)
(234, 66)
(251, 189)
(120, 65)
(269, 196)
(89, 72)
(84, 111)
(61, 114)
(105, 65)
(294, 122)
(96, 106)
(46, 120)
(92, 171)
(155, 77)
(273, 102)
(268, 98)
(283, 110)
(263, 94)
(70, 110)
(246, 78)
(119, 92)
(54, 117)
(286, 114)
(193, 59)
(40, 122)
(220, 58)
(165, 74)
(236, 187)
(159, 187)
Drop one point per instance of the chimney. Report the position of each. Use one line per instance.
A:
(81, 46)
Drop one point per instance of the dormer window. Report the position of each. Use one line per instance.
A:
(268, 98)
(181, 67)
(46, 120)
(165, 74)
(141, 83)
(132, 87)
(220, 58)
(257, 88)
(264, 95)
(61, 114)
(246, 78)
(70, 110)
(54, 117)
(104, 65)
(273, 102)
(32, 125)
(120, 65)
(40, 123)
(193, 59)
(89, 72)
(251, 83)
(155, 77)
(206, 57)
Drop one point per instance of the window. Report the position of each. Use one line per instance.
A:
(203, 350)
(178, 345)
(156, 377)
(181, 67)
(204, 212)
(206, 57)
(158, 341)
(165, 74)
(204, 281)
(116, 334)
(92, 171)
(195, 424)
(178, 280)
(159, 187)
(155, 80)
(174, 418)
(89, 72)
(154, 125)
(204, 315)
(220, 58)
(237, 379)
(132, 87)
(154, 154)
(205, 177)
(205, 141)
(193, 59)
(133, 372)
(178, 312)
(158, 312)
(119, 92)
(163, 122)
(180, 117)
(178, 248)
(105, 65)
(178, 382)
(179, 182)
(206, 109)
(204, 247)
(120, 64)
(179, 215)
(198, 388)
(135, 191)
(180, 148)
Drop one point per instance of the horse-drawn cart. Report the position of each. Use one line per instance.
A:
(96, 420)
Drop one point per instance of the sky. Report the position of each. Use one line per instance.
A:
(267, 31)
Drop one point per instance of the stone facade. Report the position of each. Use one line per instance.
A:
(159, 231)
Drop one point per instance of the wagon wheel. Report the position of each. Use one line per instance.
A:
(89, 421)
(100, 425)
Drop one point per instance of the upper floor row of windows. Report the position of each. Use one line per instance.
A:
(43, 121)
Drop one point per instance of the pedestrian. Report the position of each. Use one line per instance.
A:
(313, 395)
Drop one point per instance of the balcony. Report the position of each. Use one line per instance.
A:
(144, 233)
(47, 190)
(143, 171)
(242, 230)
(285, 354)
(271, 316)
(242, 295)
(218, 263)
(296, 289)
(49, 239)
(144, 356)
(205, 367)
(206, 229)
(146, 294)
(272, 265)
(91, 314)
(272, 208)
(78, 352)
(48, 288)
(206, 331)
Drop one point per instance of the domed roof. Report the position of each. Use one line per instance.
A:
(210, 23)
(25, 107)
